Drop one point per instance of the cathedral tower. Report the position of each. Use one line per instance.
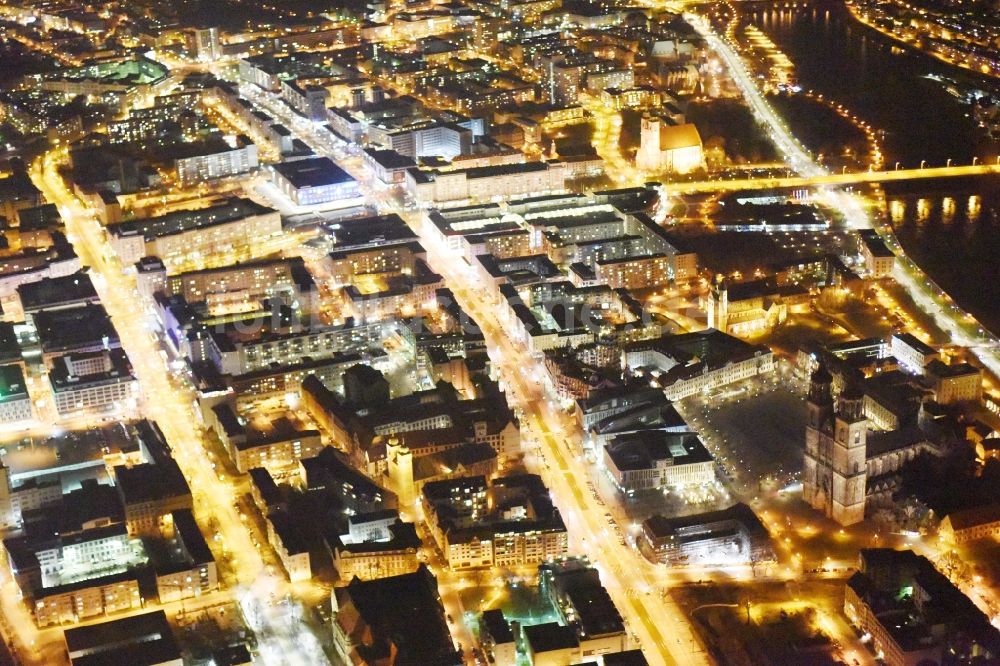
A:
(834, 471)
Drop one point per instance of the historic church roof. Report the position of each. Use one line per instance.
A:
(675, 137)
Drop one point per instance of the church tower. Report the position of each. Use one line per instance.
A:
(399, 461)
(718, 305)
(648, 157)
(819, 440)
(850, 444)
(834, 471)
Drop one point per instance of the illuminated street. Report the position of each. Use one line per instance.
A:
(539, 334)
(169, 400)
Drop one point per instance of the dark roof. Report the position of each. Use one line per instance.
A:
(234, 209)
(405, 611)
(69, 328)
(390, 159)
(62, 379)
(17, 187)
(875, 244)
(233, 655)
(191, 537)
(75, 288)
(549, 637)
(262, 480)
(916, 343)
(640, 449)
(38, 217)
(710, 346)
(496, 626)
(596, 614)
(462, 456)
(626, 658)
(661, 526)
(821, 375)
(312, 172)
(980, 515)
(288, 533)
(149, 653)
(149, 482)
(10, 348)
(881, 442)
(107, 635)
(12, 386)
(943, 370)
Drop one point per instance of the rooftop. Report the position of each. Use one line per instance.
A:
(234, 209)
(645, 449)
(312, 172)
(550, 637)
(12, 386)
(404, 614)
(49, 292)
(71, 328)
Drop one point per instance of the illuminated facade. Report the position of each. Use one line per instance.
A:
(664, 147)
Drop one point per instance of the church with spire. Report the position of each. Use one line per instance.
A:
(848, 467)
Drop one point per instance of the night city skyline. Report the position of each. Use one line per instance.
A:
(526, 333)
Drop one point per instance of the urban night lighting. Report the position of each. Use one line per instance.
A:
(557, 332)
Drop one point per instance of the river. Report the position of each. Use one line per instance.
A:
(951, 228)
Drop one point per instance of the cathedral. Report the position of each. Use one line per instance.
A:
(847, 466)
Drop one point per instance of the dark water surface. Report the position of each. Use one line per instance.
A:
(950, 227)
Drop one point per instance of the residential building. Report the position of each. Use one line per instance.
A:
(237, 226)
(700, 362)
(914, 614)
(955, 383)
(290, 545)
(94, 384)
(508, 522)
(972, 524)
(216, 161)
(574, 589)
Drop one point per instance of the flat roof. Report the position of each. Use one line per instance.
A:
(641, 449)
(408, 610)
(191, 536)
(108, 635)
(70, 328)
(550, 637)
(12, 386)
(312, 172)
(390, 159)
(234, 209)
(915, 343)
(661, 526)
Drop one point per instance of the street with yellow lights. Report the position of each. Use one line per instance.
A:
(658, 603)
